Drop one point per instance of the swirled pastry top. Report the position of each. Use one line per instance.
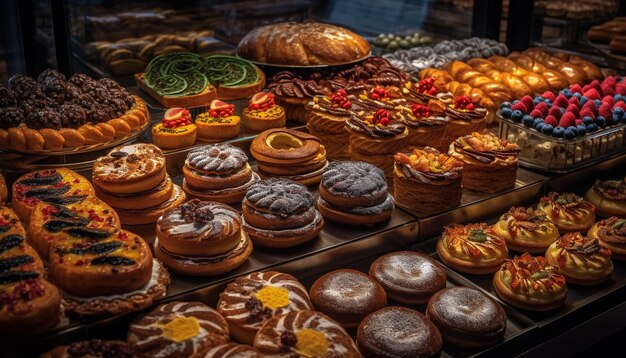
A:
(486, 148)
(532, 276)
(527, 223)
(612, 230)
(566, 206)
(374, 124)
(429, 166)
(580, 251)
(302, 44)
(200, 220)
(353, 179)
(231, 350)
(60, 186)
(280, 196)
(418, 115)
(463, 109)
(611, 189)
(220, 158)
(475, 242)
(129, 162)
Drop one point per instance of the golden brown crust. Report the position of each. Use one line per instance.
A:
(581, 259)
(569, 212)
(611, 234)
(151, 215)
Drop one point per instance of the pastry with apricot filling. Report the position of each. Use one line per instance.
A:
(526, 230)
(570, 212)
(580, 259)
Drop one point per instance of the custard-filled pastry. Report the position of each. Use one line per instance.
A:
(473, 248)
(489, 163)
(531, 283)
(611, 234)
(580, 259)
(609, 197)
(526, 230)
(569, 211)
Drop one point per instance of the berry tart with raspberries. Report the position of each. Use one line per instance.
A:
(175, 131)
(218, 123)
(263, 113)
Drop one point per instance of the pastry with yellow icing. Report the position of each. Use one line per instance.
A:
(304, 334)
(472, 248)
(263, 113)
(531, 283)
(175, 131)
(178, 329)
(570, 212)
(252, 300)
(526, 230)
(609, 197)
(580, 259)
(611, 234)
(219, 123)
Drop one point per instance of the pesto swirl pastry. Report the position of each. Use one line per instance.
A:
(526, 230)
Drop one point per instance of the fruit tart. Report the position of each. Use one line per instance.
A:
(531, 283)
(421, 92)
(580, 259)
(473, 248)
(426, 181)
(611, 234)
(569, 211)
(218, 123)
(175, 131)
(526, 230)
(489, 163)
(327, 116)
(609, 197)
(464, 117)
(263, 113)
(426, 124)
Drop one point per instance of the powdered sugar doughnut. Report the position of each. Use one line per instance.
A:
(221, 158)
(279, 196)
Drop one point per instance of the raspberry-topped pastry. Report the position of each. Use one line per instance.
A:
(464, 117)
(611, 234)
(489, 163)
(219, 122)
(580, 259)
(426, 123)
(472, 248)
(609, 197)
(252, 300)
(175, 131)
(263, 113)
(569, 211)
(327, 116)
(526, 230)
(531, 283)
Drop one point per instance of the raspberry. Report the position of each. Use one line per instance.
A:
(592, 106)
(576, 88)
(587, 112)
(561, 101)
(549, 95)
(555, 111)
(520, 106)
(608, 99)
(575, 101)
(605, 110)
(574, 109)
(621, 105)
(592, 94)
(528, 102)
(578, 122)
(543, 107)
(567, 120)
(551, 121)
(595, 84)
(536, 113)
(608, 90)
(621, 89)
(610, 81)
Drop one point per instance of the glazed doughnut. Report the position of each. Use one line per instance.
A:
(347, 296)
(467, 317)
(611, 233)
(580, 259)
(177, 329)
(568, 211)
(473, 248)
(526, 230)
(92, 348)
(531, 283)
(280, 213)
(398, 332)
(609, 197)
(354, 193)
(152, 214)
(252, 300)
(231, 350)
(305, 333)
(408, 277)
(130, 169)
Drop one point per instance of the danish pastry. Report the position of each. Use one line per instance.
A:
(609, 197)
(426, 124)
(611, 234)
(175, 131)
(580, 259)
(219, 123)
(526, 230)
(568, 211)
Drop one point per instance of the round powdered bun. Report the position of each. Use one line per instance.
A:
(398, 332)
(199, 228)
(130, 168)
(231, 350)
(93, 348)
(348, 184)
(408, 277)
(467, 317)
(347, 296)
(178, 329)
(305, 334)
(282, 197)
(251, 300)
(220, 158)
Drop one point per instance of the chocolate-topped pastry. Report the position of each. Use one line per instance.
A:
(11, 117)
(611, 234)
(6, 98)
(93, 348)
(177, 329)
(304, 334)
(580, 259)
(408, 277)
(231, 350)
(379, 98)
(49, 74)
(467, 317)
(72, 115)
(251, 300)
(44, 118)
(201, 238)
(426, 124)
(464, 117)
(570, 212)
(347, 296)
(280, 213)
(327, 116)
(398, 332)
(609, 197)
(354, 193)
(218, 172)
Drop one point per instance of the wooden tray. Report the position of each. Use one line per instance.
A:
(201, 99)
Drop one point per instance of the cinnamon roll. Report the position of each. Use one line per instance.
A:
(526, 230)
(489, 163)
(569, 211)
(611, 234)
(609, 197)
(580, 259)
(473, 248)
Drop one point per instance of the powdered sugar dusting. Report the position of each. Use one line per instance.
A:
(409, 270)
(467, 308)
(348, 290)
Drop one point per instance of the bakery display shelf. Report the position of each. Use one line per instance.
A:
(612, 57)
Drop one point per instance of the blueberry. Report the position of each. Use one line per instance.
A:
(527, 117)
(618, 97)
(587, 120)
(506, 112)
(537, 100)
(549, 102)
(547, 129)
(597, 102)
(569, 133)
(562, 110)
(566, 90)
(516, 102)
(528, 121)
(592, 127)
(505, 105)
(618, 110)
(615, 118)
(577, 95)
(583, 100)
(600, 121)
(558, 132)
(538, 123)
(517, 115)
(581, 129)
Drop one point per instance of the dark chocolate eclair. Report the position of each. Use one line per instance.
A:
(353, 179)
(279, 196)
(220, 158)
(372, 124)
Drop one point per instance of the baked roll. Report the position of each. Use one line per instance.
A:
(526, 230)
(580, 259)
(489, 163)
(568, 211)
(249, 302)
(611, 234)
(531, 283)
(473, 248)
(609, 197)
